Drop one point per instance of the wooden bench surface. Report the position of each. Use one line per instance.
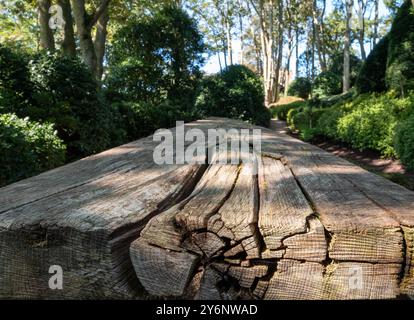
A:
(121, 226)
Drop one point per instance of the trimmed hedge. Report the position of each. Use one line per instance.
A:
(27, 148)
(377, 122)
(404, 142)
(281, 111)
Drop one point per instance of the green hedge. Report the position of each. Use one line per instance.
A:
(377, 122)
(305, 121)
(404, 142)
(27, 148)
(281, 111)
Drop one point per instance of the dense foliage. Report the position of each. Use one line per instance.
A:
(15, 85)
(404, 142)
(400, 64)
(300, 87)
(371, 121)
(329, 83)
(27, 148)
(235, 93)
(156, 58)
(372, 75)
(281, 111)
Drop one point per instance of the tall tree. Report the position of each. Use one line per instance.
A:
(347, 45)
(68, 42)
(84, 24)
(46, 40)
(362, 8)
(270, 14)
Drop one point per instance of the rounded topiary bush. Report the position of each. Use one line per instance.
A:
(27, 148)
(404, 142)
(237, 93)
(300, 87)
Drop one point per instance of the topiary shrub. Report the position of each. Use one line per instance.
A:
(236, 93)
(404, 142)
(300, 87)
(281, 111)
(371, 78)
(27, 148)
(400, 65)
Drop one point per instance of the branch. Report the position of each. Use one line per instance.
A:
(99, 11)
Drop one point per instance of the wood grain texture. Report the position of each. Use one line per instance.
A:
(301, 225)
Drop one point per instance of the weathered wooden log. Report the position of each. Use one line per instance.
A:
(296, 223)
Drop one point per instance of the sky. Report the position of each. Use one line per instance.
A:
(212, 64)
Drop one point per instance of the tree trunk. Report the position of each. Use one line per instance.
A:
(347, 46)
(241, 39)
(361, 27)
(46, 34)
(84, 34)
(376, 22)
(279, 51)
(297, 53)
(100, 40)
(290, 51)
(68, 43)
(316, 28)
(225, 52)
(84, 25)
(229, 42)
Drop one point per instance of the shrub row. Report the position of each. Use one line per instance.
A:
(383, 123)
(281, 111)
(27, 148)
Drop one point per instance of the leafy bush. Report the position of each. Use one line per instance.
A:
(156, 57)
(143, 118)
(15, 85)
(305, 121)
(281, 111)
(27, 148)
(371, 78)
(370, 125)
(327, 84)
(368, 122)
(300, 87)
(67, 94)
(404, 142)
(235, 93)
(337, 99)
(400, 65)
